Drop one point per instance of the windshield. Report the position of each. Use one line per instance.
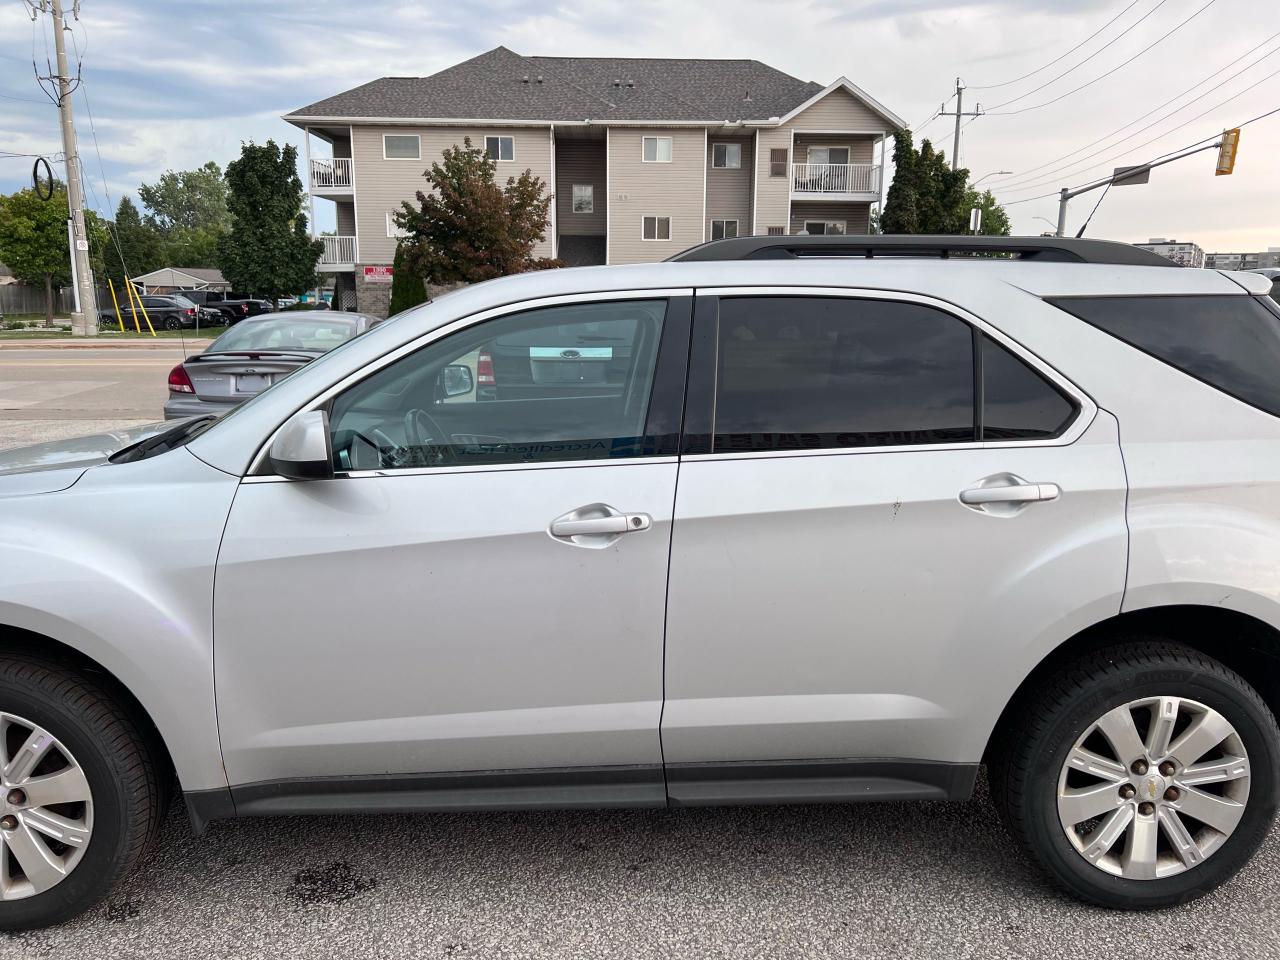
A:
(182, 301)
(285, 333)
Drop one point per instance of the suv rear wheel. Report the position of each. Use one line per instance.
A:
(1141, 776)
(80, 797)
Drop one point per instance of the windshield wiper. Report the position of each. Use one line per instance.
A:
(171, 439)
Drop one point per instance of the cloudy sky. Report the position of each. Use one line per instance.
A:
(173, 84)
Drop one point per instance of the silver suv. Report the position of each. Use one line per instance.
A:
(790, 520)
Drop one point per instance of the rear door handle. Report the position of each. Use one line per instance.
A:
(596, 525)
(1020, 492)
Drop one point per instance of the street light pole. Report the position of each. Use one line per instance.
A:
(993, 173)
(84, 318)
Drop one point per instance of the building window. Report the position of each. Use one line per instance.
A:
(392, 229)
(656, 228)
(726, 156)
(656, 150)
(401, 146)
(500, 148)
(775, 232)
(584, 199)
(723, 229)
(778, 162)
(825, 227)
(833, 155)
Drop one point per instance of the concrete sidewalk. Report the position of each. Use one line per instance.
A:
(192, 343)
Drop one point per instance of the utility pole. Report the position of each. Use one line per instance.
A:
(958, 113)
(84, 318)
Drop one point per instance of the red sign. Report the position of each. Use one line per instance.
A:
(377, 274)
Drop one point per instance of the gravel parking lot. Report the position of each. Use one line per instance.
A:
(879, 880)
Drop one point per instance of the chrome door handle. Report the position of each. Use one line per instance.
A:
(1011, 493)
(596, 525)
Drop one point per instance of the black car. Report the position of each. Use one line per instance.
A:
(233, 308)
(171, 312)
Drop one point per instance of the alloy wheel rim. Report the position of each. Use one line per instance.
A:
(1153, 788)
(46, 809)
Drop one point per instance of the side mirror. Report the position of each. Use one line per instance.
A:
(303, 450)
(456, 380)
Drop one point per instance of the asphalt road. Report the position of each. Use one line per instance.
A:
(894, 881)
(48, 394)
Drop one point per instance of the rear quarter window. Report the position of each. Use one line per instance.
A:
(1231, 343)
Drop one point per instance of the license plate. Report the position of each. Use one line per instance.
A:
(253, 383)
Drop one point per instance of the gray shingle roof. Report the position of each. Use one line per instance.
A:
(603, 89)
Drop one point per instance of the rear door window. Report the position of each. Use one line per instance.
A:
(1018, 403)
(827, 372)
(1231, 343)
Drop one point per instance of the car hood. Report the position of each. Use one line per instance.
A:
(47, 467)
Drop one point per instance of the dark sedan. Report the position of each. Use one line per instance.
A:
(168, 313)
(253, 355)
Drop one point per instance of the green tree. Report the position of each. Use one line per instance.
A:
(188, 200)
(267, 250)
(468, 228)
(995, 222)
(926, 195)
(33, 240)
(134, 248)
(407, 288)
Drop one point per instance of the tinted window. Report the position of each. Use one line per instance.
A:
(1018, 403)
(810, 372)
(1232, 343)
(558, 383)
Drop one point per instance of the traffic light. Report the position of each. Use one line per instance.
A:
(1227, 152)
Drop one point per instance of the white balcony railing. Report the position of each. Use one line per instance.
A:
(829, 178)
(331, 174)
(338, 251)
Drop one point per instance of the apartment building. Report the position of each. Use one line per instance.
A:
(1184, 254)
(1268, 259)
(643, 157)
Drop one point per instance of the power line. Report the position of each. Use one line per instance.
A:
(993, 86)
(1161, 136)
(1109, 43)
(1008, 113)
(1027, 176)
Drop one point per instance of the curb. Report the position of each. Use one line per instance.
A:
(94, 343)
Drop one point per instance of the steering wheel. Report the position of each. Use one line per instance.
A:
(421, 431)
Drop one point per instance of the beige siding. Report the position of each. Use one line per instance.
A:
(772, 193)
(346, 214)
(861, 149)
(728, 190)
(839, 110)
(855, 216)
(580, 161)
(638, 190)
(381, 185)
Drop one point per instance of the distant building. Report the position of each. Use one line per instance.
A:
(1244, 261)
(1183, 254)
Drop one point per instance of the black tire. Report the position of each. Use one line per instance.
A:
(120, 767)
(1028, 758)
(172, 323)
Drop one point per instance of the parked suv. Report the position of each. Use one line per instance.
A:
(836, 519)
(170, 312)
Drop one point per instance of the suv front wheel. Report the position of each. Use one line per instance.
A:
(1141, 776)
(80, 794)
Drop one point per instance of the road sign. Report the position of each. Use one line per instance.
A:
(1120, 180)
(1227, 152)
(975, 220)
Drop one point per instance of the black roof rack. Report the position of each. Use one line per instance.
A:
(1039, 249)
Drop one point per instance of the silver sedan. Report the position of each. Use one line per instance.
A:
(254, 354)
